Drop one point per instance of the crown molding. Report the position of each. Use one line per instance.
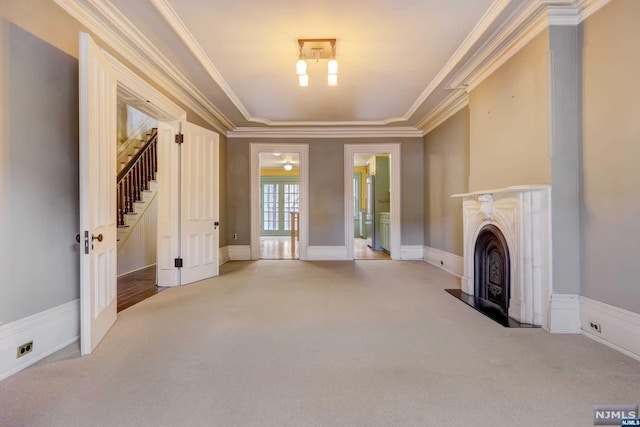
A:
(447, 108)
(519, 30)
(322, 132)
(170, 79)
(174, 21)
(589, 7)
(483, 25)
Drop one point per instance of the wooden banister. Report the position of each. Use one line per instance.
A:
(135, 178)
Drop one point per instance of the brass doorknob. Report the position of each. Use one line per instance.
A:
(98, 237)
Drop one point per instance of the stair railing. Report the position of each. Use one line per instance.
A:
(136, 177)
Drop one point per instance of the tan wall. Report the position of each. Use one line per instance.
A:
(509, 122)
(446, 172)
(611, 155)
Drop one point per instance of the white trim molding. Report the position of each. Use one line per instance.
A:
(327, 253)
(446, 261)
(223, 255)
(411, 252)
(50, 331)
(239, 252)
(106, 22)
(525, 24)
(619, 328)
(393, 150)
(447, 108)
(318, 132)
(303, 166)
(564, 314)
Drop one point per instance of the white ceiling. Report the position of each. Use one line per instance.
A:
(278, 160)
(388, 52)
(236, 58)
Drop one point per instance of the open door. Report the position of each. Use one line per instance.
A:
(199, 228)
(98, 263)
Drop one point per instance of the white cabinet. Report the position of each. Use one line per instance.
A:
(385, 227)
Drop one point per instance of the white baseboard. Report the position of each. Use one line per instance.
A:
(50, 331)
(223, 255)
(449, 262)
(620, 328)
(239, 252)
(327, 253)
(564, 314)
(409, 252)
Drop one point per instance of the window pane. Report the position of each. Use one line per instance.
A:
(270, 207)
(291, 203)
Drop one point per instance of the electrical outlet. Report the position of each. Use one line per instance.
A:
(235, 236)
(24, 349)
(596, 327)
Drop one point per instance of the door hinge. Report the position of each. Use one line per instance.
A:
(179, 138)
(178, 262)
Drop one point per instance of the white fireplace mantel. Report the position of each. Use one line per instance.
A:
(523, 215)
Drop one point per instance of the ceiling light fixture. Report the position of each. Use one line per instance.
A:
(288, 166)
(317, 49)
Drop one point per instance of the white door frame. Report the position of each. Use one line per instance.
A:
(303, 152)
(169, 116)
(395, 191)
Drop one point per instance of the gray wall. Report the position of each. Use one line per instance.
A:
(446, 172)
(39, 175)
(610, 216)
(565, 45)
(39, 157)
(222, 176)
(509, 122)
(326, 188)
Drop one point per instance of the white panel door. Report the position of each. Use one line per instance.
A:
(168, 178)
(98, 98)
(199, 204)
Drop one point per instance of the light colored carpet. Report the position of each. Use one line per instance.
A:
(290, 343)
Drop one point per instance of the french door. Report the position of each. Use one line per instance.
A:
(279, 197)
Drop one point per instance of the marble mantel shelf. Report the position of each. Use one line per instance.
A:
(514, 189)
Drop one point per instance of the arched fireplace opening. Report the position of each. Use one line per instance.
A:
(492, 269)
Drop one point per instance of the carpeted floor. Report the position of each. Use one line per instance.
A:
(290, 343)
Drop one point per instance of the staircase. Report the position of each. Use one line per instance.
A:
(136, 186)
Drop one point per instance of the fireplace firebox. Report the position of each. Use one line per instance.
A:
(491, 262)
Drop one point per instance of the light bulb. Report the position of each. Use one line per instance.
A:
(288, 167)
(301, 66)
(332, 66)
(332, 79)
(303, 80)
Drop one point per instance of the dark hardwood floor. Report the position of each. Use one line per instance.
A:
(137, 286)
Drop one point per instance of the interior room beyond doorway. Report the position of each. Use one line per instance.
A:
(279, 205)
(371, 206)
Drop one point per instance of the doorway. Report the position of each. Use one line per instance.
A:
(279, 201)
(386, 202)
(279, 205)
(371, 206)
(137, 207)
